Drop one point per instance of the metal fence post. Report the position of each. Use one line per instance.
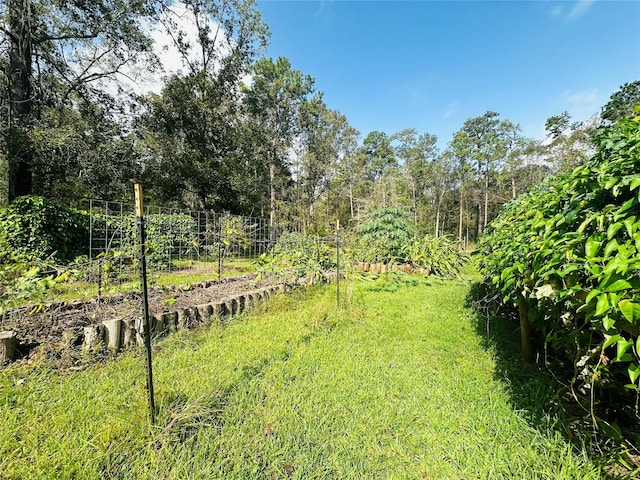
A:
(145, 299)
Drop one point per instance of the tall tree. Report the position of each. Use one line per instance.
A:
(417, 154)
(274, 98)
(622, 102)
(58, 51)
(193, 130)
(484, 141)
(460, 148)
(568, 143)
(325, 139)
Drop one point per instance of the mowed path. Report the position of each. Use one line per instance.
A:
(395, 385)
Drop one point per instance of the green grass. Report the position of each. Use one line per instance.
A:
(396, 385)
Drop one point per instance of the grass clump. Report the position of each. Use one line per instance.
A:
(395, 385)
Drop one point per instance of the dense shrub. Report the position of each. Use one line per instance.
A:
(437, 256)
(36, 227)
(296, 254)
(569, 250)
(383, 235)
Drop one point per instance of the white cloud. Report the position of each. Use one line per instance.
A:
(580, 105)
(556, 11)
(580, 8)
(451, 110)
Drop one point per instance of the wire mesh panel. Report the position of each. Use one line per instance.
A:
(174, 237)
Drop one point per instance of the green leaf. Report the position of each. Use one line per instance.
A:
(630, 310)
(610, 340)
(584, 224)
(593, 293)
(592, 247)
(634, 372)
(622, 346)
(612, 229)
(611, 246)
(629, 224)
(608, 322)
(32, 272)
(625, 206)
(602, 306)
(616, 285)
(635, 183)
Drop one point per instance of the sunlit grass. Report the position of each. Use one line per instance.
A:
(395, 385)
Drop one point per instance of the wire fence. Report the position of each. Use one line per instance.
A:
(174, 237)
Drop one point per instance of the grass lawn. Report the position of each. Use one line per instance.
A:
(395, 385)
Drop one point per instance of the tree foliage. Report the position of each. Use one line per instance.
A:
(569, 248)
(622, 102)
(384, 233)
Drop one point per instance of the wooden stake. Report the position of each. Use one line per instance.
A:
(525, 329)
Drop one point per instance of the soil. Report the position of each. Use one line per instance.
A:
(44, 325)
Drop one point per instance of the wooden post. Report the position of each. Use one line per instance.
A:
(145, 299)
(525, 329)
(8, 343)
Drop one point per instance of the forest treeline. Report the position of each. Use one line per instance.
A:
(236, 132)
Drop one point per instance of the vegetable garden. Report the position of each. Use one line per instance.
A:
(561, 260)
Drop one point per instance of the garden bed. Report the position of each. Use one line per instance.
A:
(92, 324)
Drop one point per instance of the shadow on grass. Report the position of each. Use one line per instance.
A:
(535, 392)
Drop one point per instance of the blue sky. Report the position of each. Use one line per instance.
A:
(390, 65)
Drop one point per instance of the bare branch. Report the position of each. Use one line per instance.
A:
(9, 34)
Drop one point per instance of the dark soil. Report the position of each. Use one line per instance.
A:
(40, 325)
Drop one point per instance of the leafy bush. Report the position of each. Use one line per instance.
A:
(383, 235)
(435, 256)
(36, 227)
(570, 249)
(296, 255)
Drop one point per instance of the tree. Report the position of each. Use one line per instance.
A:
(569, 144)
(416, 153)
(622, 102)
(377, 155)
(274, 99)
(188, 132)
(193, 132)
(384, 232)
(557, 124)
(59, 52)
(325, 139)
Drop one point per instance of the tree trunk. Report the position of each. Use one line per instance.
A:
(415, 203)
(437, 218)
(19, 152)
(351, 199)
(525, 330)
(513, 187)
(272, 203)
(486, 201)
(460, 217)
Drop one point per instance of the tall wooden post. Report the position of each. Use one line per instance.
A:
(145, 299)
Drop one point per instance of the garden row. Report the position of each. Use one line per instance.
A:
(116, 334)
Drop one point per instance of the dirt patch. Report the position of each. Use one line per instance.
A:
(50, 324)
